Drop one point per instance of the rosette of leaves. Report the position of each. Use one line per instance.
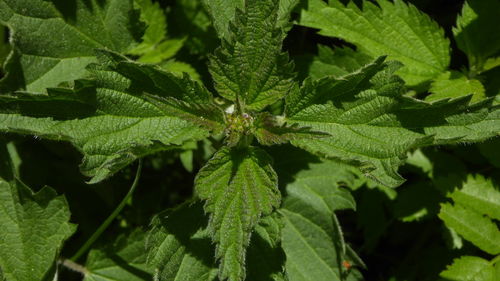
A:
(126, 110)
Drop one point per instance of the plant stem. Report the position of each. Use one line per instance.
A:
(111, 217)
(73, 266)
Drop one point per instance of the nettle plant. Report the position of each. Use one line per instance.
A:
(119, 110)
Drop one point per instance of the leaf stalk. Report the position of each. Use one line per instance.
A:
(111, 217)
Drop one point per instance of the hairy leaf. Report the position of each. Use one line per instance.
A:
(239, 186)
(373, 125)
(178, 250)
(312, 238)
(34, 226)
(396, 29)
(111, 120)
(479, 194)
(471, 225)
(468, 268)
(328, 88)
(477, 32)
(454, 84)
(223, 11)
(55, 40)
(125, 259)
(249, 65)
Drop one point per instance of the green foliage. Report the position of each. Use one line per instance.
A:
(55, 41)
(239, 186)
(206, 92)
(475, 32)
(369, 113)
(476, 204)
(470, 268)
(476, 198)
(453, 85)
(130, 125)
(34, 226)
(396, 29)
(312, 237)
(250, 66)
(337, 62)
(181, 253)
(124, 260)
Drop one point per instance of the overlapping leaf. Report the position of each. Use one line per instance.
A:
(125, 259)
(468, 268)
(116, 118)
(337, 62)
(265, 257)
(55, 40)
(179, 250)
(396, 29)
(452, 84)
(312, 238)
(476, 203)
(34, 226)
(473, 226)
(250, 65)
(477, 31)
(239, 186)
(371, 124)
(185, 253)
(223, 12)
(480, 194)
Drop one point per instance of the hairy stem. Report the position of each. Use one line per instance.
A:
(111, 217)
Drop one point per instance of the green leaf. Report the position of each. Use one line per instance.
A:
(452, 84)
(337, 62)
(396, 29)
(34, 226)
(239, 186)
(250, 66)
(180, 251)
(265, 258)
(268, 131)
(480, 194)
(55, 40)
(152, 14)
(179, 68)
(312, 238)
(373, 125)
(125, 259)
(222, 12)
(162, 51)
(196, 24)
(477, 33)
(327, 88)
(468, 268)
(472, 226)
(117, 118)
